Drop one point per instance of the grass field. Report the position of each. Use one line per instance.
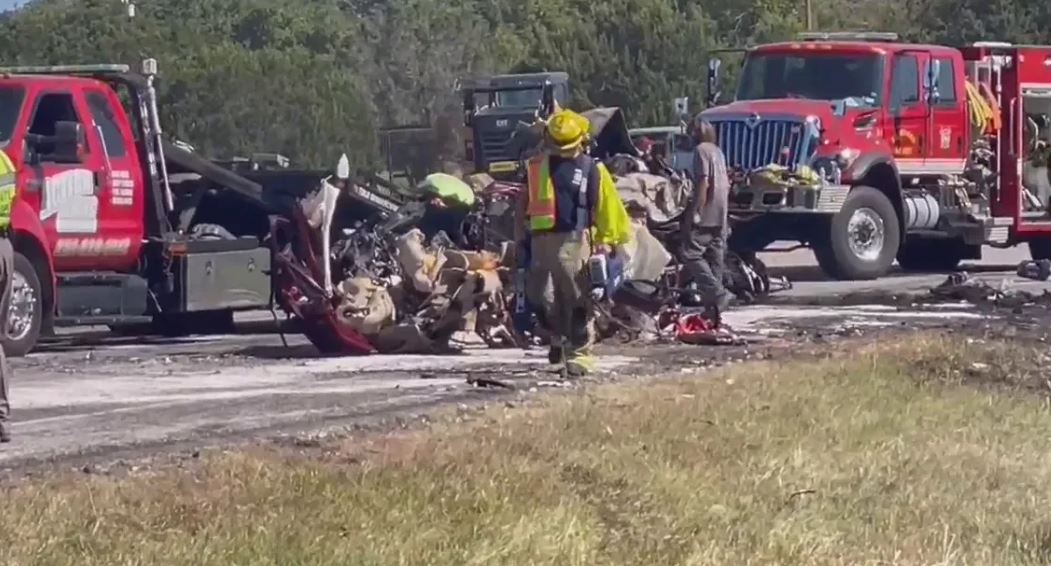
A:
(923, 451)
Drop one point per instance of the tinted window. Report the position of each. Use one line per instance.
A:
(946, 83)
(905, 83)
(11, 98)
(102, 114)
(815, 76)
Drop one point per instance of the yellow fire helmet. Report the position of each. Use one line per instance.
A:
(567, 130)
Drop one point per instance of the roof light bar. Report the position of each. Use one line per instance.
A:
(66, 70)
(849, 36)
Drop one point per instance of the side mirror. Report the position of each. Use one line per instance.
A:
(468, 107)
(682, 106)
(547, 100)
(69, 138)
(62, 147)
(343, 168)
(714, 82)
(930, 82)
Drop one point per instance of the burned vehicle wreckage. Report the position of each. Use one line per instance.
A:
(362, 269)
(348, 263)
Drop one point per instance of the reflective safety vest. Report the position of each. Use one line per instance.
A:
(540, 194)
(7, 190)
(610, 224)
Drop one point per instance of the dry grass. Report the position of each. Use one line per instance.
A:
(885, 456)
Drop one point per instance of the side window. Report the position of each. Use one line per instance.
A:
(50, 110)
(946, 83)
(102, 114)
(905, 81)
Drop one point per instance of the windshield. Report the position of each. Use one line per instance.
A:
(10, 105)
(519, 98)
(814, 75)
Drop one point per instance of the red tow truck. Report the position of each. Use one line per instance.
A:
(880, 150)
(114, 225)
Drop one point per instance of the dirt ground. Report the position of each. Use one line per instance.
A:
(872, 445)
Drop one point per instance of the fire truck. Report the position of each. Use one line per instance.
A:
(870, 150)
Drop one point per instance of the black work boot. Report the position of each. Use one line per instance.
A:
(5, 433)
(554, 355)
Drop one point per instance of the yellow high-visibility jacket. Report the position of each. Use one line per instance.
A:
(7, 190)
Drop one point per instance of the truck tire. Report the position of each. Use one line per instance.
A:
(862, 239)
(26, 312)
(930, 254)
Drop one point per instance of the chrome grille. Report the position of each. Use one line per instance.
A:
(496, 146)
(752, 144)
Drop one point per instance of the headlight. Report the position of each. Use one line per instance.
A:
(846, 157)
(828, 168)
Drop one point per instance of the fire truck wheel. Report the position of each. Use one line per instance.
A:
(26, 310)
(861, 240)
(930, 254)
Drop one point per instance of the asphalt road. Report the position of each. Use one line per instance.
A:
(995, 267)
(91, 395)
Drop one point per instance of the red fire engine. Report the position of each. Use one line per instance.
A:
(868, 150)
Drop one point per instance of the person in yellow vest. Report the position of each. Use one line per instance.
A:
(7, 197)
(561, 208)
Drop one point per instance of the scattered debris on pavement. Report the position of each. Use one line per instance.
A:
(963, 287)
(1037, 269)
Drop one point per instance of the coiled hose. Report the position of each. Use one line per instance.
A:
(984, 117)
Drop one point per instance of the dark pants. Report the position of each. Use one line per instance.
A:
(703, 255)
(6, 269)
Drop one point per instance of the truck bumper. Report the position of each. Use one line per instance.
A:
(825, 199)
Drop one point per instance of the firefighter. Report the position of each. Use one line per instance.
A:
(704, 226)
(560, 208)
(7, 196)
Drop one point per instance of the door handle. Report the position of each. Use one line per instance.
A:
(34, 185)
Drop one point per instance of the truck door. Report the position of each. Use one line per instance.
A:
(909, 114)
(62, 186)
(950, 136)
(122, 198)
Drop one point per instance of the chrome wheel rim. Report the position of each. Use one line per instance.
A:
(866, 234)
(20, 311)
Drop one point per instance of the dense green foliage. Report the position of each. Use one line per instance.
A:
(313, 78)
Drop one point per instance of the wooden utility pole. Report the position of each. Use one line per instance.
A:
(809, 15)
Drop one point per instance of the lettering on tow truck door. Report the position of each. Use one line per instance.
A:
(123, 193)
(69, 197)
(92, 247)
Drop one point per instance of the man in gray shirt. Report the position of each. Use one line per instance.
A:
(704, 225)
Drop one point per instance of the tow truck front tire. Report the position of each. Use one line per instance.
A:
(862, 239)
(27, 303)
